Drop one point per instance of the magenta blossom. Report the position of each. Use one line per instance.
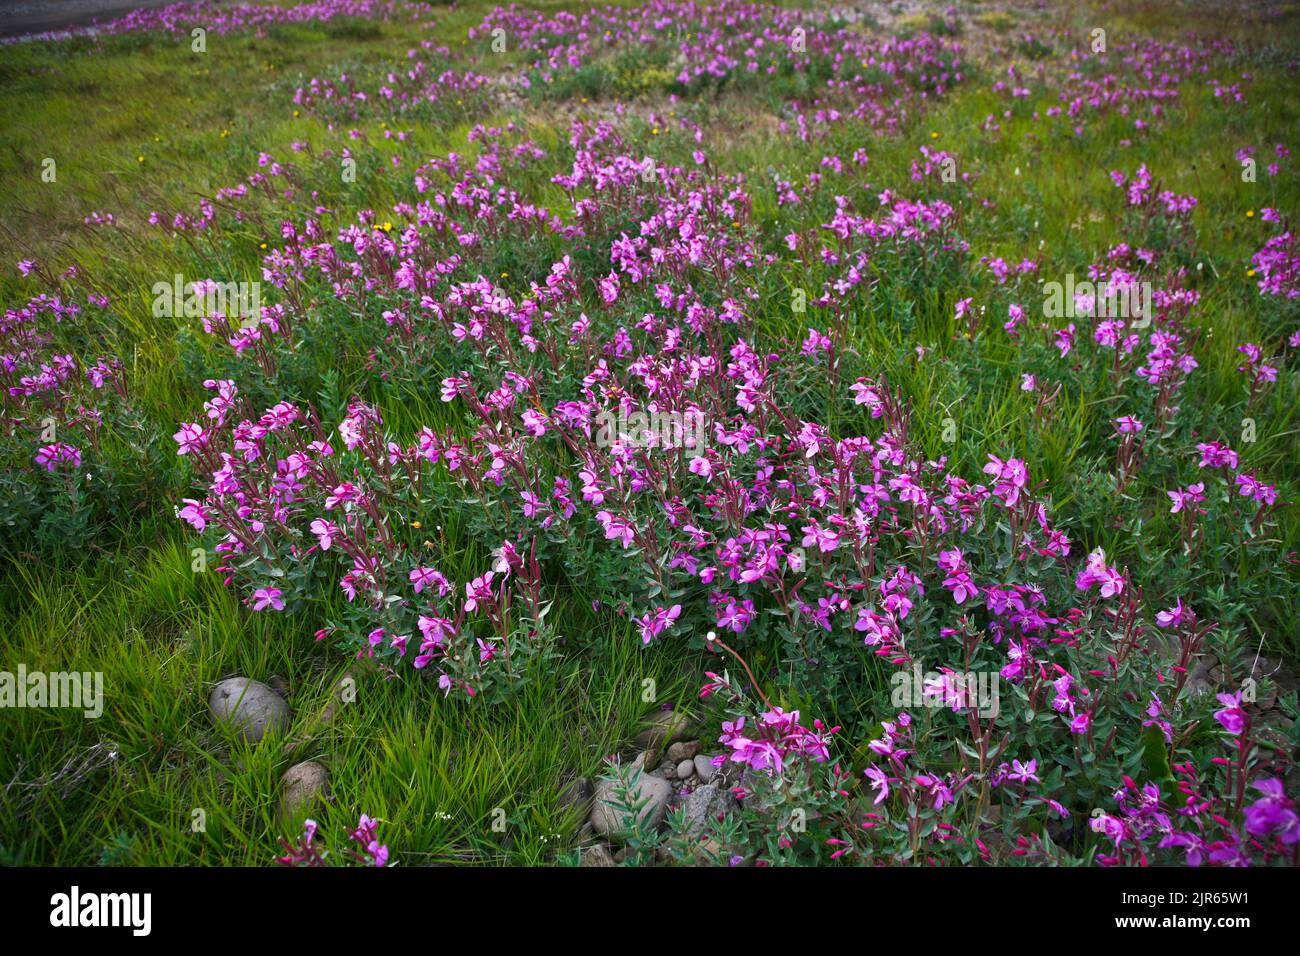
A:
(268, 597)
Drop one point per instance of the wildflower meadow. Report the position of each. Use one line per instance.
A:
(724, 434)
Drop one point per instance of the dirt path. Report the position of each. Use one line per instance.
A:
(18, 17)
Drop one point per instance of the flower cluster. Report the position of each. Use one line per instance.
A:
(307, 852)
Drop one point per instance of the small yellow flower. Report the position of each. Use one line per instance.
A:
(505, 275)
(1250, 214)
(1250, 273)
(264, 245)
(139, 159)
(295, 113)
(934, 135)
(416, 525)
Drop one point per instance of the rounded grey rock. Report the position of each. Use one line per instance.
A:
(704, 768)
(615, 822)
(249, 706)
(304, 783)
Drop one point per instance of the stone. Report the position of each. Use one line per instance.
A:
(683, 750)
(596, 855)
(662, 728)
(615, 822)
(704, 768)
(1200, 680)
(578, 795)
(729, 774)
(704, 806)
(304, 784)
(1275, 730)
(1272, 677)
(709, 852)
(249, 706)
(685, 769)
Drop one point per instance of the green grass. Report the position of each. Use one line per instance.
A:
(163, 635)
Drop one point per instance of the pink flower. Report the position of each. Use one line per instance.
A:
(1097, 572)
(325, 532)
(1023, 773)
(429, 577)
(478, 590)
(656, 622)
(1011, 477)
(189, 438)
(1232, 716)
(534, 422)
(50, 457)
(1250, 487)
(1216, 455)
(268, 597)
(453, 386)
(194, 514)
(1186, 498)
(879, 782)
(1173, 616)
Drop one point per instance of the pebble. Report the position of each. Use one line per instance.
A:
(304, 783)
(709, 853)
(661, 728)
(685, 769)
(577, 794)
(703, 806)
(704, 768)
(683, 750)
(614, 822)
(596, 856)
(250, 706)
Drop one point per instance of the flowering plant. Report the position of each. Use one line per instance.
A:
(368, 851)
